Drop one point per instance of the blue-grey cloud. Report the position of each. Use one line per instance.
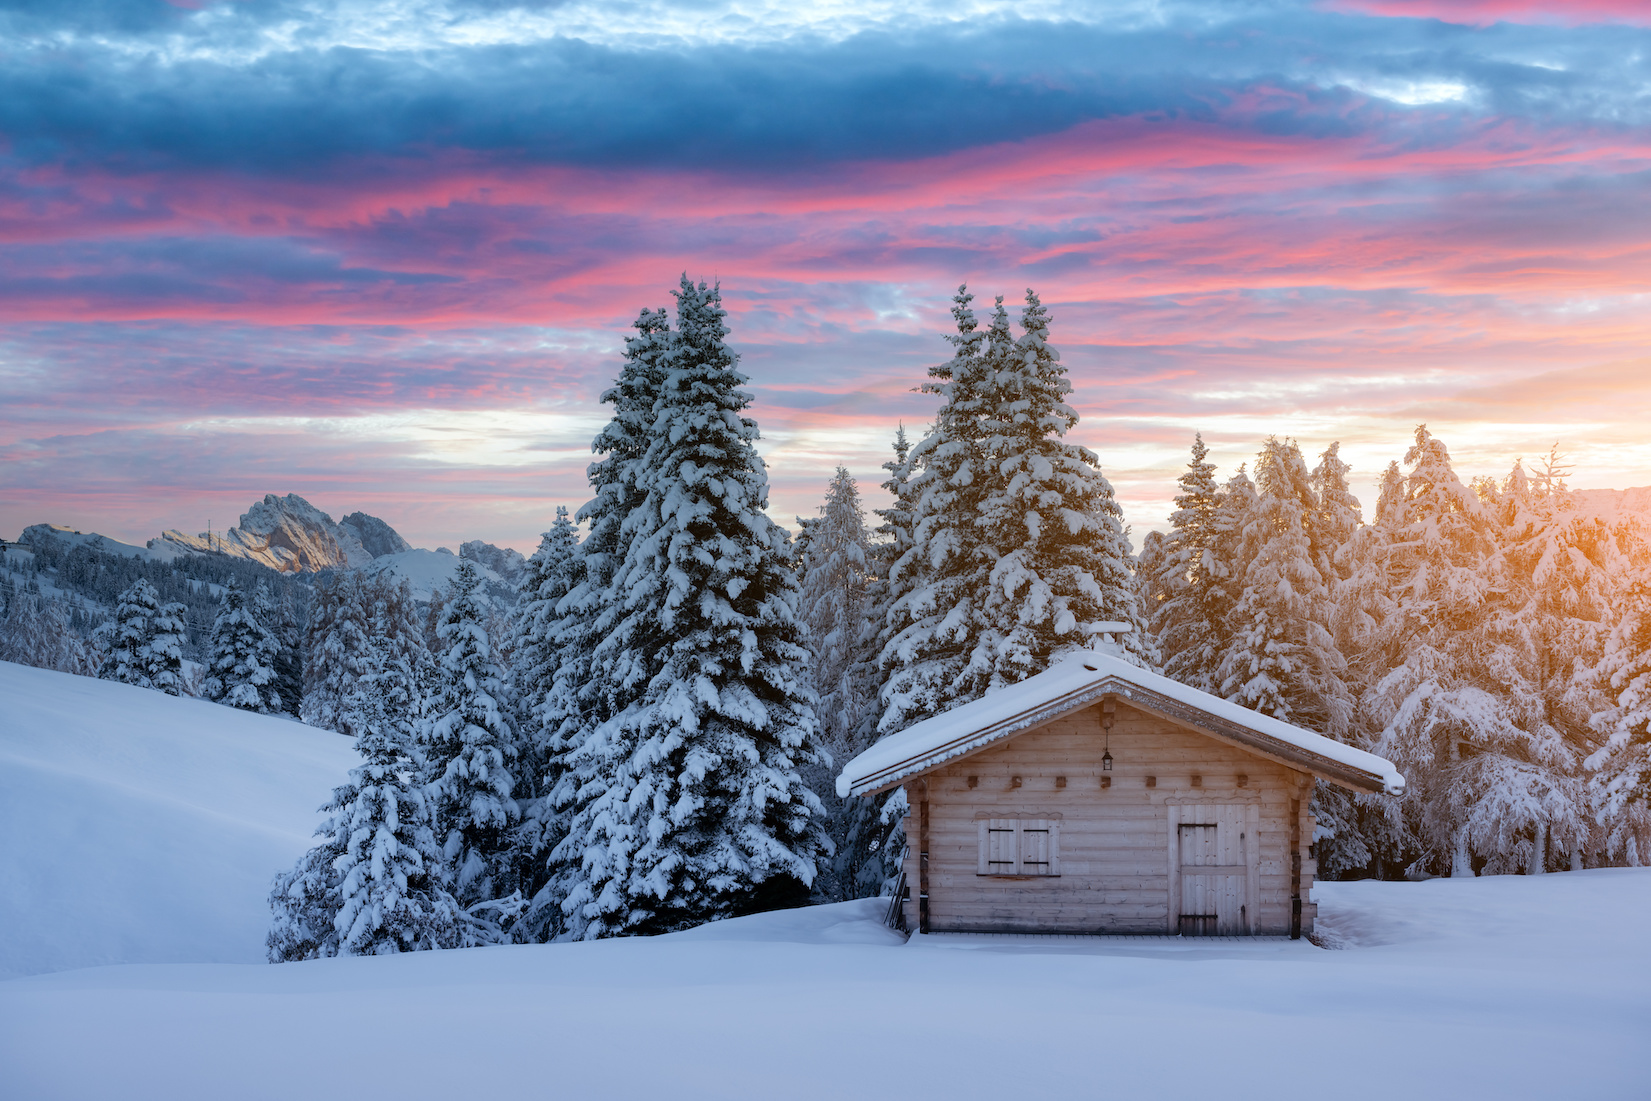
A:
(877, 95)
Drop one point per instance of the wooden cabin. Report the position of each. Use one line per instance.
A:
(1097, 797)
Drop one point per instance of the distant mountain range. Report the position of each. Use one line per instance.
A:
(290, 535)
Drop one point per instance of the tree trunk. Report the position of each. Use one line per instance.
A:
(1539, 851)
(1461, 862)
(1576, 860)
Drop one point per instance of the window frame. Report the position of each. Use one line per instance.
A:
(1018, 829)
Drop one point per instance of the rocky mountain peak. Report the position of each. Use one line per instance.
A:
(292, 535)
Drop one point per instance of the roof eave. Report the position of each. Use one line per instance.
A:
(1182, 714)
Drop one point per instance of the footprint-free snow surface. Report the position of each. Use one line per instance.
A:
(140, 828)
(1511, 987)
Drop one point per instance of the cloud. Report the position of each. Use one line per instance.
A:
(386, 253)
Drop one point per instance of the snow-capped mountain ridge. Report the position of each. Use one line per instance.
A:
(291, 535)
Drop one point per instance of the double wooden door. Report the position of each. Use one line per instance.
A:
(1213, 869)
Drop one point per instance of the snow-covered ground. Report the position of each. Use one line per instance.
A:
(1514, 987)
(140, 828)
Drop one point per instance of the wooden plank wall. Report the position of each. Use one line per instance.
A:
(1114, 827)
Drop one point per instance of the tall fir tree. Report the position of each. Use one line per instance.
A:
(337, 651)
(391, 892)
(875, 836)
(304, 900)
(1334, 518)
(1060, 564)
(36, 630)
(241, 662)
(285, 623)
(933, 658)
(543, 626)
(687, 801)
(1282, 659)
(1620, 780)
(837, 578)
(145, 641)
(1438, 704)
(399, 664)
(1184, 621)
(1548, 629)
(468, 751)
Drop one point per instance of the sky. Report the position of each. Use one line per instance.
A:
(384, 254)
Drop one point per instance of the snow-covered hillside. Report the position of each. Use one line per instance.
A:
(141, 828)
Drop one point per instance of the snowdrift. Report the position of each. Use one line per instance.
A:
(141, 828)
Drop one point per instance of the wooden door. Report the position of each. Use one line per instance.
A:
(1215, 849)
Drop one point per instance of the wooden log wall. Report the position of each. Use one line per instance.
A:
(1116, 874)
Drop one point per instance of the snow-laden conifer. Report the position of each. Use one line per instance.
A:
(336, 651)
(869, 859)
(934, 658)
(241, 662)
(284, 622)
(543, 629)
(468, 750)
(1185, 621)
(304, 899)
(1548, 630)
(1621, 768)
(1281, 659)
(1439, 706)
(688, 805)
(1335, 516)
(163, 654)
(403, 669)
(390, 892)
(36, 630)
(837, 575)
(1054, 533)
(144, 641)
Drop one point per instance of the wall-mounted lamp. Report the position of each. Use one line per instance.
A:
(1106, 761)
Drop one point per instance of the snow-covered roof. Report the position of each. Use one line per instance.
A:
(1081, 679)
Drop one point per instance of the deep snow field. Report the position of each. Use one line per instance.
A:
(141, 833)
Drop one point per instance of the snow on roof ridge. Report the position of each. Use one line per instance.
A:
(1073, 680)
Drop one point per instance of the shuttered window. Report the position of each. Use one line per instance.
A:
(1019, 846)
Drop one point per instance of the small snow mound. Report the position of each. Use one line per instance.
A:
(856, 922)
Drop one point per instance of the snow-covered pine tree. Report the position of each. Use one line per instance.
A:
(163, 653)
(399, 664)
(1335, 516)
(688, 804)
(1621, 768)
(241, 663)
(468, 751)
(553, 571)
(1051, 524)
(337, 652)
(1282, 660)
(36, 631)
(1186, 622)
(933, 658)
(836, 608)
(375, 627)
(144, 641)
(391, 894)
(124, 637)
(304, 899)
(1547, 635)
(1442, 716)
(583, 692)
(876, 838)
(282, 620)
